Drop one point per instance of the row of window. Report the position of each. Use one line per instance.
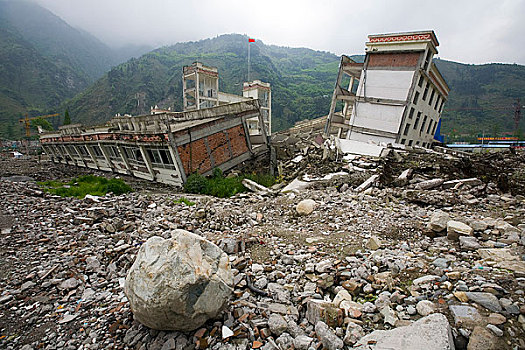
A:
(159, 157)
(411, 142)
(439, 100)
(430, 128)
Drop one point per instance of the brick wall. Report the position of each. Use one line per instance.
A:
(393, 59)
(195, 155)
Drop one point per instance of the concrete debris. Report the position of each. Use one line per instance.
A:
(301, 281)
(255, 187)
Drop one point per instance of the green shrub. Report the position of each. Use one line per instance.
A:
(196, 183)
(87, 184)
(184, 200)
(219, 186)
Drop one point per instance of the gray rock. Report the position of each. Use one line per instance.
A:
(178, 283)
(425, 307)
(285, 341)
(328, 338)
(495, 330)
(438, 221)
(354, 332)
(469, 243)
(305, 207)
(277, 324)
(465, 316)
(482, 339)
(302, 342)
(429, 333)
(487, 300)
(440, 262)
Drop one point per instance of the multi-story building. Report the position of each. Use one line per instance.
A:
(395, 96)
(200, 86)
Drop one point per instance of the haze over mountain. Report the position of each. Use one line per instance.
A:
(44, 61)
(48, 66)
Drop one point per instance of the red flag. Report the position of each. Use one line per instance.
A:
(250, 40)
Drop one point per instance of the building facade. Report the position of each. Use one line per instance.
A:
(395, 96)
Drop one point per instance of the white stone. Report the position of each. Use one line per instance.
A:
(456, 229)
(305, 207)
(178, 283)
(425, 307)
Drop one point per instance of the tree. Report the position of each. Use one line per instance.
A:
(44, 124)
(67, 118)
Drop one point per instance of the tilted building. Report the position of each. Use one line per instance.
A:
(395, 96)
(163, 146)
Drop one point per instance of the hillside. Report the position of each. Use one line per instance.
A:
(45, 61)
(481, 97)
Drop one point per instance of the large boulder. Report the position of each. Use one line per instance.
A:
(178, 283)
(429, 333)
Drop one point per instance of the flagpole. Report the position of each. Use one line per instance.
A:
(249, 59)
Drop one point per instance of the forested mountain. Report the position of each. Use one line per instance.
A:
(44, 61)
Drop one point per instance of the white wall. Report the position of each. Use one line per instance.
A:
(386, 84)
(376, 116)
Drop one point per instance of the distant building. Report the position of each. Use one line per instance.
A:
(395, 96)
(200, 85)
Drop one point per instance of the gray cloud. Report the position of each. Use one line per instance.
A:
(470, 31)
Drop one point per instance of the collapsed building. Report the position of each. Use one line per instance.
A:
(166, 146)
(395, 96)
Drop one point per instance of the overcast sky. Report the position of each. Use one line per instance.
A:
(469, 31)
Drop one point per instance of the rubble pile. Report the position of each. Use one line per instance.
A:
(414, 256)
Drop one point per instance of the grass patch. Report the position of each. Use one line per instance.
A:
(88, 184)
(219, 186)
(184, 200)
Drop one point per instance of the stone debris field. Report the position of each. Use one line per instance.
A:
(416, 250)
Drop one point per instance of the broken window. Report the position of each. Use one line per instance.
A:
(113, 152)
(97, 151)
(429, 126)
(410, 142)
(82, 150)
(421, 81)
(160, 158)
(416, 97)
(407, 127)
(133, 155)
(427, 59)
(403, 141)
